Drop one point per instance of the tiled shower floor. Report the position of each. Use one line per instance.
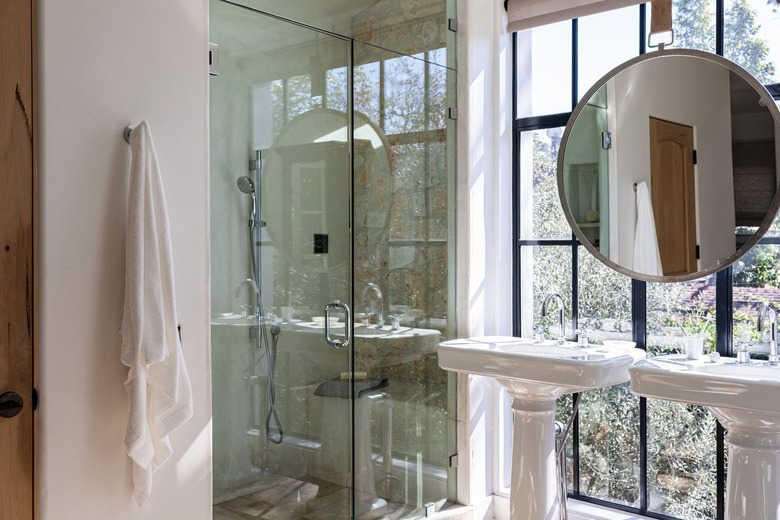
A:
(281, 498)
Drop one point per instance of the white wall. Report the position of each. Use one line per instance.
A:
(485, 230)
(103, 65)
(642, 92)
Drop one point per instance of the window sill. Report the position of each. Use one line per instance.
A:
(577, 511)
(585, 511)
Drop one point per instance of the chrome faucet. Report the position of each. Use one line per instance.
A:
(380, 320)
(561, 331)
(256, 287)
(763, 311)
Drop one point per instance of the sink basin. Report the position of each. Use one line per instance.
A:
(726, 388)
(530, 369)
(535, 375)
(744, 398)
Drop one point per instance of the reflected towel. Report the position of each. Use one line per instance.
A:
(647, 259)
(157, 385)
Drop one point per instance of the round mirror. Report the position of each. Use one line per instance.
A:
(306, 189)
(668, 166)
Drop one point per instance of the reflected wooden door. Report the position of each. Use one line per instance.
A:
(17, 315)
(673, 189)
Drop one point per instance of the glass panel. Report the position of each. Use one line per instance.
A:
(609, 417)
(404, 94)
(550, 267)
(403, 26)
(693, 23)
(605, 41)
(609, 444)
(367, 92)
(678, 309)
(403, 217)
(541, 214)
(752, 37)
(282, 429)
(681, 438)
(541, 88)
(604, 300)
(756, 280)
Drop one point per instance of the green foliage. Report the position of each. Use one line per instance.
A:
(694, 24)
(760, 267)
(741, 44)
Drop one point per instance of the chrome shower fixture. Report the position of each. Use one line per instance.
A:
(246, 185)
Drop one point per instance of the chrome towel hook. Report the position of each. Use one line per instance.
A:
(128, 129)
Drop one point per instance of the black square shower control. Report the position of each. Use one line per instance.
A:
(320, 244)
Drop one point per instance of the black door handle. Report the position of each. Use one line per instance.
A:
(11, 404)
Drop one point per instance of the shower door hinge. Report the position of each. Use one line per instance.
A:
(606, 140)
(214, 59)
(452, 113)
(454, 461)
(452, 24)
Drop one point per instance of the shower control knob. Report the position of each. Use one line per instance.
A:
(11, 404)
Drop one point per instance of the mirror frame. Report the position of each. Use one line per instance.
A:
(765, 224)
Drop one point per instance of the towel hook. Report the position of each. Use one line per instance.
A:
(128, 129)
(634, 186)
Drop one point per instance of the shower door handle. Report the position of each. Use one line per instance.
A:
(337, 343)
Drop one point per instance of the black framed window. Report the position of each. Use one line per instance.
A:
(659, 459)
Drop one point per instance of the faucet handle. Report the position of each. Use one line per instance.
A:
(538, 332)
(743, 351)
(582, 337)
(396, 320)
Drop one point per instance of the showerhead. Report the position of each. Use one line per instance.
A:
(246, 185)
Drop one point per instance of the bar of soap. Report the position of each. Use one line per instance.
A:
(357, 376)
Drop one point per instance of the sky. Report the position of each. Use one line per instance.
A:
(611, 38)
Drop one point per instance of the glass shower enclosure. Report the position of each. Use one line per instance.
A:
(332, 237)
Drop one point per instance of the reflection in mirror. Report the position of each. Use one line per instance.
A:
(668, 167)
(304, 189)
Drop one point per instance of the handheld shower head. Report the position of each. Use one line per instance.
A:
(246, 185)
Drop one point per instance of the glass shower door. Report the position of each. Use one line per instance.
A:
(281, 252)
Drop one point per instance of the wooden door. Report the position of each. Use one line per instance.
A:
(673, 188)
(17, 311)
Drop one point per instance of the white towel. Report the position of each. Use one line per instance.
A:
(157, 385)
(647, 258)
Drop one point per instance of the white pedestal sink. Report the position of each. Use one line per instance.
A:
(746, 400)
(535, 375)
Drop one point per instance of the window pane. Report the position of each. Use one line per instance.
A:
(756, 280)
(672, 307)
(752, 37)
(366, 85)
(544, 70)
(541, 214)
(693, 22)
(681, 460)
(609, 444)
(681, 438)
(437, 95)
(605, 41)
(551, 267)
(299, 96)
(404, 108)
(604, 300)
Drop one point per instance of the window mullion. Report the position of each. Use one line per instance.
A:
(639, 333)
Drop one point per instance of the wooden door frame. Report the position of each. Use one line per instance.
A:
(18, 112)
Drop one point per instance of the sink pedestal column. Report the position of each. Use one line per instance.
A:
(534, 487)
(753, 475)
